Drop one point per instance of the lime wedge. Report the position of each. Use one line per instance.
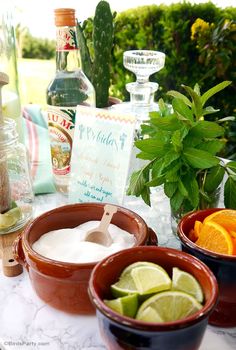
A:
(149, 279)
(10, 218)
(171, 305)
(149, 315)
(126, 306)
(187, 283)
(126, 284)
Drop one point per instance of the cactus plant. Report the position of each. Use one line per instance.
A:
(96, 61)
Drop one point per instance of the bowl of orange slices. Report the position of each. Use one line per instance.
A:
(210, 235)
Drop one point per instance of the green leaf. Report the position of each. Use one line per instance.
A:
(212, 146)
(226, 119)
(209, 110)
(176, 140)
(214, 90)
(156, 182)
(145, 194)
(197, 104)
(197, 89)
(170, 188)
(199, 159)
(137, 182)
(180, 96)
(155, 147)
(230, 192)
(182, 188)
(191, 185)
(231, 165)
(167, 123)
(145, 156)
(206, 129)
(176, 200)
(214, 178)
(172, 173)
(181, 108)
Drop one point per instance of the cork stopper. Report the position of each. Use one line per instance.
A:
(65, 17)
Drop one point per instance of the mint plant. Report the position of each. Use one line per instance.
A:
(181, 149)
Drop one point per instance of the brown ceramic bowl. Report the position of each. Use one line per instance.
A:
(223, 266)
(121, 332)
(64, 285)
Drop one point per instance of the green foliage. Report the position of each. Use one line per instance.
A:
(38, 47)
(182, 151)
(168, 29)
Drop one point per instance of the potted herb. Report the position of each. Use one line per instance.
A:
(96, 53)
(180, 149)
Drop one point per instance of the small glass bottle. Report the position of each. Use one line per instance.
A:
(16, 208)
(69, 88)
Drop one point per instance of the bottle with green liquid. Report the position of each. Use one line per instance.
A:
(69, 88)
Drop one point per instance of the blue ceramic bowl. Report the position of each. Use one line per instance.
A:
(121, 332)
(223, 267)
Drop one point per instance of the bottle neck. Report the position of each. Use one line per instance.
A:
(67, 52)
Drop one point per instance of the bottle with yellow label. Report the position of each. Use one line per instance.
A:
(69, 88)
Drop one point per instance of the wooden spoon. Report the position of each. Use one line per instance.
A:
(101, 235)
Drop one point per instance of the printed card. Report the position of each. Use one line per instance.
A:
(102, 146)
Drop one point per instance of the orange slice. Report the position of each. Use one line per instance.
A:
(215, 238)
(234, 246)
(232, 233)
(225, 218)
(192, 235)
(197, 227)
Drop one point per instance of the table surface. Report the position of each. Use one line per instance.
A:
(26, 322)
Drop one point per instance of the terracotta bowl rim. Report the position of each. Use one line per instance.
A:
(33, 255)
(190, 244)
(149, 326)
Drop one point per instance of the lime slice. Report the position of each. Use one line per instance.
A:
(126, 284)
(171, 305)
(126, 306)
(149, 315)
(187, 283)
(10, 218)
(149, 279)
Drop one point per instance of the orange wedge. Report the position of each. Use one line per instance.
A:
(234, 246)
(192, 235)
(214, 237)
(197, 227)
(232, 233)
(225, 218)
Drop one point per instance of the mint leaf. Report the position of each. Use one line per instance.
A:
(168, 123)
(192, 187)
(206, 129)
(182, 188)
(232, 166)
(181, 108)
(214, 178)
(214, 90)
(199, 159)
(213, 146)
(209, 110)
(230, 192)
(180, 96)
(137, 182)
(196, 101)
(170, 188)
(176, 200)
(153, 146)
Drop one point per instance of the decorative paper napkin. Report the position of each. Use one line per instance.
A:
(102, 147)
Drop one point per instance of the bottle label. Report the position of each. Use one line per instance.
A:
(61, 123)
(66, 39)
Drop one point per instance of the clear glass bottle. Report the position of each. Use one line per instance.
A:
(17, 209)
(69, 88)
(11, 106)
